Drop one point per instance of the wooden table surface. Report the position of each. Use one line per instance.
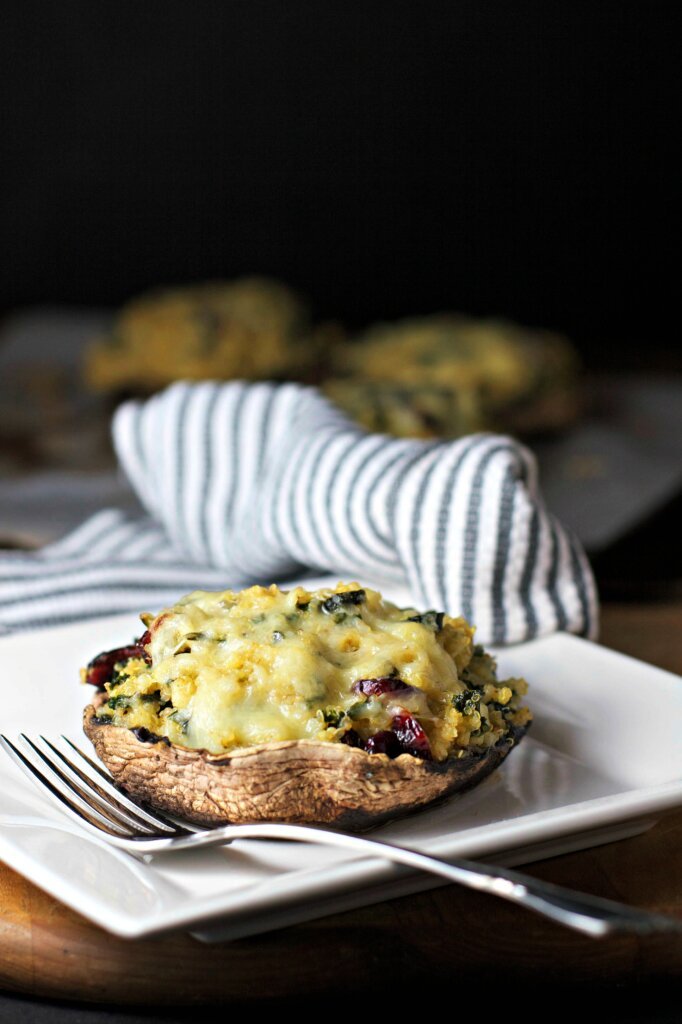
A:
(47, 950)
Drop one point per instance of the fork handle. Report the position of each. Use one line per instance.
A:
(591, 915)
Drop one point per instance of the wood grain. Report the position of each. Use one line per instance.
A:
(48, 950)
(651, 632)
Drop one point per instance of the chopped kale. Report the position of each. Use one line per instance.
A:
(432, 620)
(182, 717)
(277, 636)
(155, 697)
(467, 702)
(316, 698)
(357, 710)
(118, 677)
(332, 716)
(119, 702)
(337, 602)
(483, 728)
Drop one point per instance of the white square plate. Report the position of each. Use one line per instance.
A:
(602, 760)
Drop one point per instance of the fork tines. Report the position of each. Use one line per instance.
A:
(80, 786)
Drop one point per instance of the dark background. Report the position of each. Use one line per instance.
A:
(386, 158)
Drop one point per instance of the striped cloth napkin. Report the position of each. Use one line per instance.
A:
(248, 483)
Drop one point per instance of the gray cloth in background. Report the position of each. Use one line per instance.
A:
(601, 478)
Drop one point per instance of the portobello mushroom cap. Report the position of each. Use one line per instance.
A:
(301, 781)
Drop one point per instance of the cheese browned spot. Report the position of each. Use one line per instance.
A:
(233, 670)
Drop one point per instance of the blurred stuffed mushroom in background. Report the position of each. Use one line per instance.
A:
(250, 328)
(446, 375)
(443, 375)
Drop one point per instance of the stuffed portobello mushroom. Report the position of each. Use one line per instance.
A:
(331, 706)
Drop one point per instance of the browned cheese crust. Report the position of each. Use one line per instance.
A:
(299, 781)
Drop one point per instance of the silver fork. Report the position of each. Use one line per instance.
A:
(85, 791)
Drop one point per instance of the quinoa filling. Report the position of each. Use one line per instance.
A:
(224, 671)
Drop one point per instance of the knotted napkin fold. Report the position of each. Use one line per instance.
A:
(249, 483)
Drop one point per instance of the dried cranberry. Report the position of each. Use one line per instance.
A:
(411, 736)
(383, 684)
(351, 738)
(100, 670)
(384, 742)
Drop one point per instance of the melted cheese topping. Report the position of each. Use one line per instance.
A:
(232, 670)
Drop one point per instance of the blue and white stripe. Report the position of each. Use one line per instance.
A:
(249, 483)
